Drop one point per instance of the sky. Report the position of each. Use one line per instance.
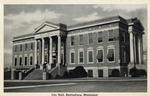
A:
(23, 19)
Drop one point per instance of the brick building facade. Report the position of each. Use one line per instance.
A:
(99, 46)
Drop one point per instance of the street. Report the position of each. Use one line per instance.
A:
(77, 86)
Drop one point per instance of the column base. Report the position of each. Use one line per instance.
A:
(41, 67)
(48, 66)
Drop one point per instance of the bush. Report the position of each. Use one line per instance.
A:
(65, 75)
(57, 76)
(134, 72)
(78, 72)
(50, 76)
(115, 73)
(142, 72)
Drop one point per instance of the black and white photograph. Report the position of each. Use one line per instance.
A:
(75, 48)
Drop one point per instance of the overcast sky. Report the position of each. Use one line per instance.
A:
(23, 19)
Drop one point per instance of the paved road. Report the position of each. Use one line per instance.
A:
(77, 86)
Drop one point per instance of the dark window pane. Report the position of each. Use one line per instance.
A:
(110, 55)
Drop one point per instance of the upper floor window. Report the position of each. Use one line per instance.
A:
(110, 54)
(100, 37)
(20, 61)
(80, 39)
(123, 55)
(15, 61)
(15, 48)
(123, 36)
(72, 40)
(100, 55)
(25, 60)
(31, 60)
(38, 45)
(81, 58)
(20, 47)
(31, 46)
(26, 46)
(90, 56)
(111, 35)
(90, 35)
(72, 57)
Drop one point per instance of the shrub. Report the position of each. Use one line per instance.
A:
(65, 75)
(79, 71)
(57, 76)
(142, 72)
(115, 73)
(134, 72)
(50, 76)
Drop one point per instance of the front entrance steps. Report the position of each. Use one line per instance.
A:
(39, 74)
(35, 75)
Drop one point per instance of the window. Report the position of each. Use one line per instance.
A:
(15, 48)
(26, 46)
(90, 38)
(123, 37)
(111, 35)
(90, 56)
(123, 55)
(15, 61)
(31, 46)
(100, 55)
(38, 45)
(90, 73)
(110, 54)
(81, 58)
(20, 47)
(100, 73)
(31, 60)
(72, 57)
(20, 61)
(100, 37)
(62, 58)
(80, 39)
(72, 40)
(25, 60)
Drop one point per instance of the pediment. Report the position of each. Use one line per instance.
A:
(139, 24)
(45, 27)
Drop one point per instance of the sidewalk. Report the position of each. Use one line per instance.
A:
(85, 79)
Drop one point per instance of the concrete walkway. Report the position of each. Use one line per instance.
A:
(84, 79)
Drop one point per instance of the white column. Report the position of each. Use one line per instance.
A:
(59, 58)
(50, 50)
(131, 48)
(42, 50)
(59, 46)
(35, 52)
(139, 49)
(142, 51)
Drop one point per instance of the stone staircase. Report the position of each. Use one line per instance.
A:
(35, 75)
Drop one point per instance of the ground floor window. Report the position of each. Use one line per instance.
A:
(90, 73)
(100, 73)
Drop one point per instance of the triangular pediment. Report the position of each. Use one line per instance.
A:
(139, 24)
(45, 27)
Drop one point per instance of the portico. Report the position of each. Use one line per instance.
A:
(48, 45)
(136, 46)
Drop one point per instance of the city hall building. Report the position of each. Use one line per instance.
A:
(99, 46)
